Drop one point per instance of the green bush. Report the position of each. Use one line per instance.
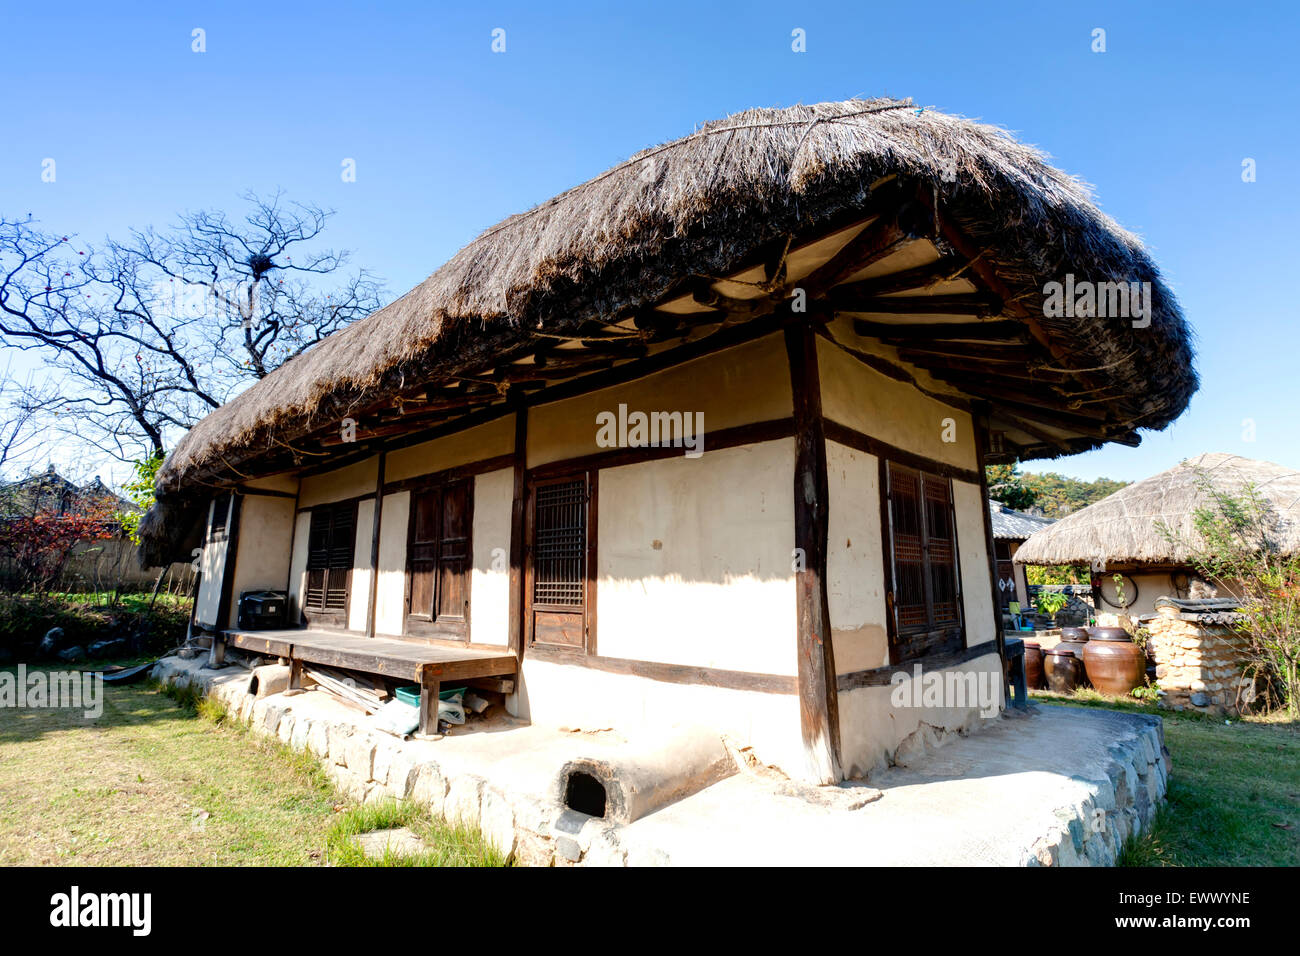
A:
(25, 619)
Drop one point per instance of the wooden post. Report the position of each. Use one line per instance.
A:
(374, 546)
(516, 612)
(819, 715)
(980, 421)
(430, 685)
(295, 671)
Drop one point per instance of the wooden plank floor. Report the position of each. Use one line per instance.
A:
(401, 660)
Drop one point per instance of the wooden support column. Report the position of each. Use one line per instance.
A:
(981, 422)
(430, 685)
(374, 546)
(819, 708)
(516, 613)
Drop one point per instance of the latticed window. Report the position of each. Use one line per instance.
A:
(330, 544)
(925, 592)
(560, 544)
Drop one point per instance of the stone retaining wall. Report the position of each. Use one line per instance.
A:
(1102, 806)
(1123, 803)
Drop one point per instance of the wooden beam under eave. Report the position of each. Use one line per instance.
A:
(819, 712)
(903, 333)
(977, 304)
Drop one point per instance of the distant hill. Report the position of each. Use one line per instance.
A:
(1057, 495)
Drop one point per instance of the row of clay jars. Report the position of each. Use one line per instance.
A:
(1104, 656)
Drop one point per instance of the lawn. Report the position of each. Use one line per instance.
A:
(161, 782)
(1234, 795)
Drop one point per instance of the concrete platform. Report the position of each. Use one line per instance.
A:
(1054, 786)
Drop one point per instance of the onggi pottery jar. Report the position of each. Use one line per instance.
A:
(1114, 664)
(1076, 639)
(1062, 669)
(1034, 677)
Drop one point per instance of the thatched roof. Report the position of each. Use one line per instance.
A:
(1011, 525)
(1125, 528)
(605, 256)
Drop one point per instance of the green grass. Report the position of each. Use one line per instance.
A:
(162, 778)
(1234, 794)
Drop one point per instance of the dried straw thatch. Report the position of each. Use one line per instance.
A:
(1125, 528)
(623, 240)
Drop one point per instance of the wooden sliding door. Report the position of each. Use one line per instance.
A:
(439, 560)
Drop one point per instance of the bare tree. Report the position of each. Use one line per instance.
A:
(147, 335)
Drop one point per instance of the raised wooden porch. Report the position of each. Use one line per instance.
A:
(426, 664)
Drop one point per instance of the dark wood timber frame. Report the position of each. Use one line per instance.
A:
(376, 522)
(819, 716)
(518, 508)
(981, 453)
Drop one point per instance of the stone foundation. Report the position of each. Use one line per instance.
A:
(1054, 787)
(1198, 654)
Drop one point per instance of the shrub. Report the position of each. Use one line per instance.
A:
(1237, 543)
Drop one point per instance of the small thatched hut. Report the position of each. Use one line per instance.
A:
(1011, 529)
(702, 438)
(1143, 531)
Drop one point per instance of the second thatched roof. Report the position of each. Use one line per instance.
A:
(1126, 527)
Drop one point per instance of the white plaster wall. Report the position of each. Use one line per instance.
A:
(582, 698)
(973, 553)
(489, 440)
(211, 565)
(893, 412)
(872, 727)
(694, 560)
(298, 566)
(737, 386)
(390, 604)
(855, 561)
(359, 596)
(340, 484)
(262, 561)
(489, 603)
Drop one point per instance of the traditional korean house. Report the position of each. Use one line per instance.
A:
(1142, 533)
(701, 439)
(1011, 529)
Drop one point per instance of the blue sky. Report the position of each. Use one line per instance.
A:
(449, 138)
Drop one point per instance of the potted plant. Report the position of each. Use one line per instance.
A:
(1050, 602)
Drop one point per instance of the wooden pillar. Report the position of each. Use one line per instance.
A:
(819, 708)
(374, 546)
(980, 420)
(430, 685)
(516, 613)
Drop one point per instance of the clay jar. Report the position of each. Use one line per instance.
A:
(1114, 664)
(1063, 670)
(1034, 677)
(1076, 639)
